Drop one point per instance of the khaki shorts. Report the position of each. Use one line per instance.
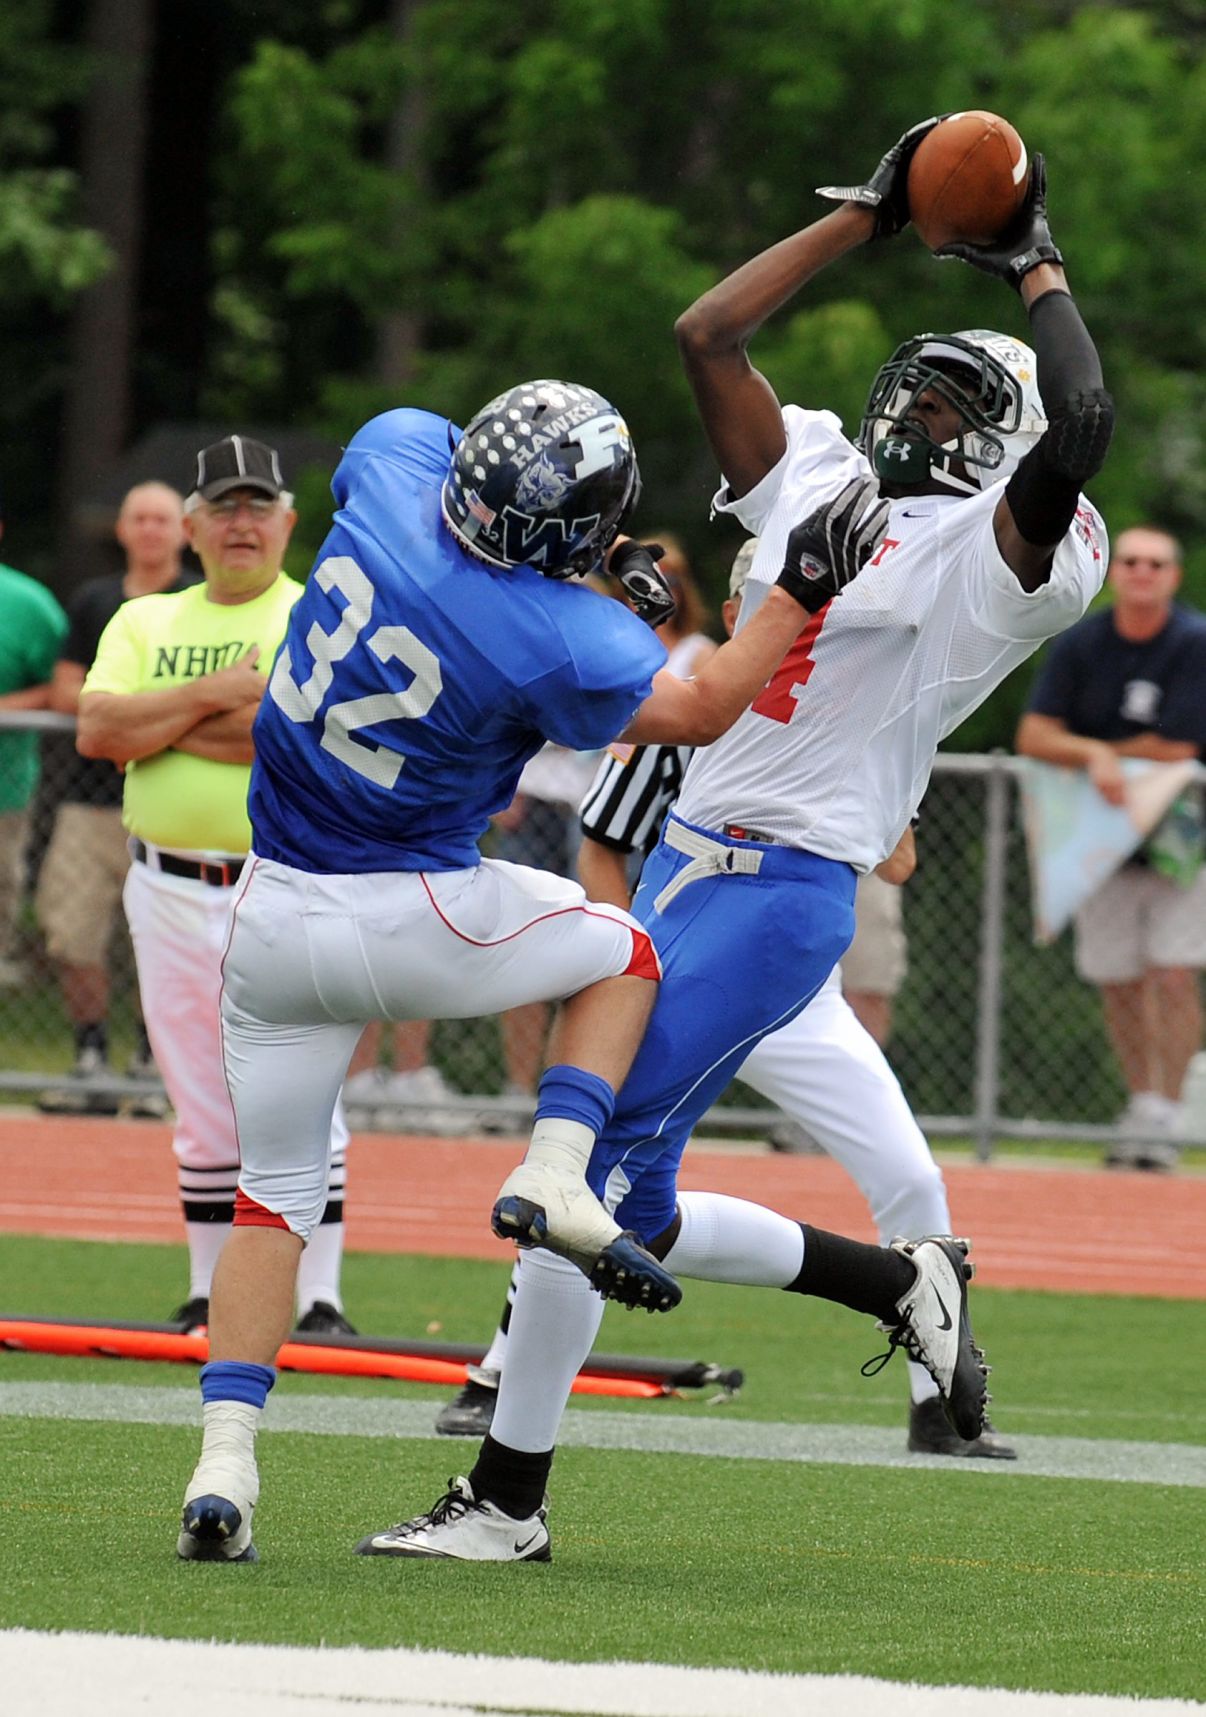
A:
(876, 961)
(14, 837)
(1138, 919)
(80, 883)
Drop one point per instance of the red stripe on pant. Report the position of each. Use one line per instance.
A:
(249, 1214)
(644, 962)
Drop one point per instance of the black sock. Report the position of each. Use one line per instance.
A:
(865, 1278)
(510, 1478)
(94, 1034)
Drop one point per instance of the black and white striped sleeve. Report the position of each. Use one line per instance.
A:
(627, 801)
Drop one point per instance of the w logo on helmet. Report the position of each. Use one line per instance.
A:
(542, 542)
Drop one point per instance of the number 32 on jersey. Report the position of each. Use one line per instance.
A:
(302, 702)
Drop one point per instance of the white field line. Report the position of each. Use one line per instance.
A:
(45, 1675)
(661, 1430)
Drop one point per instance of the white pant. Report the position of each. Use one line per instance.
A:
(829, 1074)
(180, 929)
(313, 958)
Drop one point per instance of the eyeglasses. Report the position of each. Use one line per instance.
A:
(1144, 560)
(259, 506)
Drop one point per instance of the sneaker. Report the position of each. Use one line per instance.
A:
(1149, 1133)
(324, 1319)
(151, 1104)
(79, 1095)
(542, 1205)
(929, 1434)
(471, 1413)
(367, 1089)
(192, 1316)
(215, 1523)
(461, 1529)
(790, 1139)
(934, 1328)
(427, 1103)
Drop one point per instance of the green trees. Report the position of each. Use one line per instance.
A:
(420, 199)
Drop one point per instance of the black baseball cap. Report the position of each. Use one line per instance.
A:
(237, 463)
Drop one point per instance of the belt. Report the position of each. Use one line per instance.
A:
(219, 873)
(708, 858)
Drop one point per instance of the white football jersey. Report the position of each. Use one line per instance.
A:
(835, 754)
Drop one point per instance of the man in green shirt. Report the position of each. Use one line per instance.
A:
(32, 626)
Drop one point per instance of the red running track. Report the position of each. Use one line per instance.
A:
(1072, 1229)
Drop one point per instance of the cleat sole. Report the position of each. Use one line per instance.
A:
(207, 1526)
(627, 1273)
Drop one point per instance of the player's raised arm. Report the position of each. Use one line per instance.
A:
(736, 402)
(1041, 497)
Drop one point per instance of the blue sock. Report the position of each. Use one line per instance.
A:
(236, 1380)
(572, 1094)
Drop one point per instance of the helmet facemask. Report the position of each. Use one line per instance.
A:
(994, 395)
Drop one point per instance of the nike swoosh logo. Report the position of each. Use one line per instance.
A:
(528, 1543)
(945, 1313)
(928, 514)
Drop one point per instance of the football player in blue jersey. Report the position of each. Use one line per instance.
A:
(442, 639)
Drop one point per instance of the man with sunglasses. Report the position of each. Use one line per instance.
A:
(174, 688)
(1128, 682)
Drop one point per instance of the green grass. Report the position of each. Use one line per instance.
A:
(1031, 1583)
(1064, 1364)
(1091, 1587)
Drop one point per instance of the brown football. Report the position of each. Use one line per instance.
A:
(967, 179)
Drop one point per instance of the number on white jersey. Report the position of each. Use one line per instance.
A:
(389, 644)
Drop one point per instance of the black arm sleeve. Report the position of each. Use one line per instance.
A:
(1044, 490)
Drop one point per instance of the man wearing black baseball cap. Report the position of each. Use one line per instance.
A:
(171, 696)
(238, 463)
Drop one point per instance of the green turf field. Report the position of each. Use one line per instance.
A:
(932, 1574)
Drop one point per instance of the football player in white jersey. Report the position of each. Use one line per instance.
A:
(981, 447)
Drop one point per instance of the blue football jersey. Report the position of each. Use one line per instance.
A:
(415, 681)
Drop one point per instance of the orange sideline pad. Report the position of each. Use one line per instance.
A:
(77, 1342)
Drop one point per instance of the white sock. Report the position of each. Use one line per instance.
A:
(228, 1441)
(319, 1268)
(724, 1239)
(553, 1327)
(561, 1144)
(205, 1242)
(921, 1385)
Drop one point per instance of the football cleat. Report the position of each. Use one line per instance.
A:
(934, 1328)
(471, 1413)
(193, 1315)
(215, 1523)
(929, 1434)
(542, 1205)
(461, 1529)
(324, 1319)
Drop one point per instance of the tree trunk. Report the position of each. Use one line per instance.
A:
(400, 330)
(101, 343)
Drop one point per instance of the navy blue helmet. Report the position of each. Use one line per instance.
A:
(544, 476)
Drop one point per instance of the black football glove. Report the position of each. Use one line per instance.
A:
(887, 190)
(635, 565)
(832, 545)
(1025, 242)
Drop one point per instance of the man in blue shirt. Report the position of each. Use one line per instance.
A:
(440, 642)
(1128, 682)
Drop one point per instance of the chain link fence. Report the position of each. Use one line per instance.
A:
(993, 1038)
